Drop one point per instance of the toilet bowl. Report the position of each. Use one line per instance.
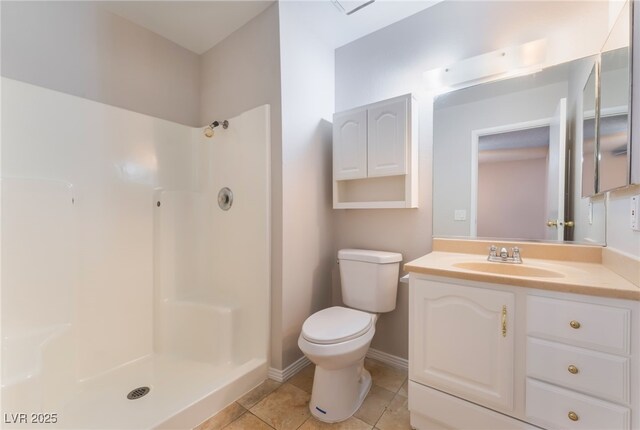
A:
(337, 339)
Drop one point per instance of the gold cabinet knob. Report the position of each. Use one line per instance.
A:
(573, 369)
(573, 416)
(552, 223)
(574, 324)
(569, 224)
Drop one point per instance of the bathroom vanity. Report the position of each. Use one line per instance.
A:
(550, 343)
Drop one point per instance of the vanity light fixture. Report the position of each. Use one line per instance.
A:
(501, 63)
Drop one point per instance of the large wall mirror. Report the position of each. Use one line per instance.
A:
(513, 136)
(520, 158)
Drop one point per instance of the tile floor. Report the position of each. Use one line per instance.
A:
(273, 405)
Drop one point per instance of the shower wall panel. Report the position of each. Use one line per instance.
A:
(113, 160)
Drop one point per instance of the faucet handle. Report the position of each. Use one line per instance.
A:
(493, 250)
(515, 254)
(504, 254)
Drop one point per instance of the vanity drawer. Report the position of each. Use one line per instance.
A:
(596, 373)
(553, 408)
(605, 328)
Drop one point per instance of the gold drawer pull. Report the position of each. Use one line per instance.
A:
(573, 369)
(574, 324)
(573, 416)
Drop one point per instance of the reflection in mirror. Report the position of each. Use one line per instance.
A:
(499, 158)
(613, 126)
(589, 136)
(614, 99)
(507, 162)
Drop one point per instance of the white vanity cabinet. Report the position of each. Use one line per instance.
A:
(473, 328)
(375, 155)
(565, 361)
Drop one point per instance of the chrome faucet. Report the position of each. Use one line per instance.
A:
(503, 256)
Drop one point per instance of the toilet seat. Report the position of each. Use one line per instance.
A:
(336, 324)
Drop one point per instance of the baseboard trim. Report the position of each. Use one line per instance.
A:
(391, 360)
(282, 375)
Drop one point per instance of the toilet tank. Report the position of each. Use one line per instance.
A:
(369, 279)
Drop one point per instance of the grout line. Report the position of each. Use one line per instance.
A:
(303, 422)
(268, 425)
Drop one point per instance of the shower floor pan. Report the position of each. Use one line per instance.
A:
(182, 394)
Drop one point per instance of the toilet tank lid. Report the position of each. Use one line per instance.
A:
(380, 257)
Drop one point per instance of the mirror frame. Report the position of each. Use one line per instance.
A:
(593, 187)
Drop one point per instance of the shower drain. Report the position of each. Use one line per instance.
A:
(136, 393)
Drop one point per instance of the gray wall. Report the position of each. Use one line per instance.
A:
(80, 49)
(307, 66)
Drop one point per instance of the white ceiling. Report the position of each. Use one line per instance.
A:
(338, 29)
(199, 25)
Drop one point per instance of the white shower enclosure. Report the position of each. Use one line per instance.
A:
(119, 269)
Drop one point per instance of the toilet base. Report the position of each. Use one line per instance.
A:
(337, 394)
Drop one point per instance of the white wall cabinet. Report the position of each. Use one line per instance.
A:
(350, 154)
(388, 143)
(565, 361)
(375, 162)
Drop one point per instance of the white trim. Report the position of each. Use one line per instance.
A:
(475, 137)
(386, 358)
(282, 375)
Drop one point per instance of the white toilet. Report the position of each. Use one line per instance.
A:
(336, 339)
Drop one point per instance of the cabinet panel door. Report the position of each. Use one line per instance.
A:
(459, 345)
(350, 145)
(388, 138)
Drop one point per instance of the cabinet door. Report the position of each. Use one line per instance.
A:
(350, 145)
(462, 341)
(388, 138)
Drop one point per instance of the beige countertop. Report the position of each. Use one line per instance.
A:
(580, 277)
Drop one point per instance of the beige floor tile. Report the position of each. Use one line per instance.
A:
(404, 390)
(284, 409)
(222, 418)
(260, 392)
(248, 421)
(304, 378)
(396, 417)
(374, 405)
(348, 424)
(385, 376)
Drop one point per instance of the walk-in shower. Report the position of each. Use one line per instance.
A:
(130, 298)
